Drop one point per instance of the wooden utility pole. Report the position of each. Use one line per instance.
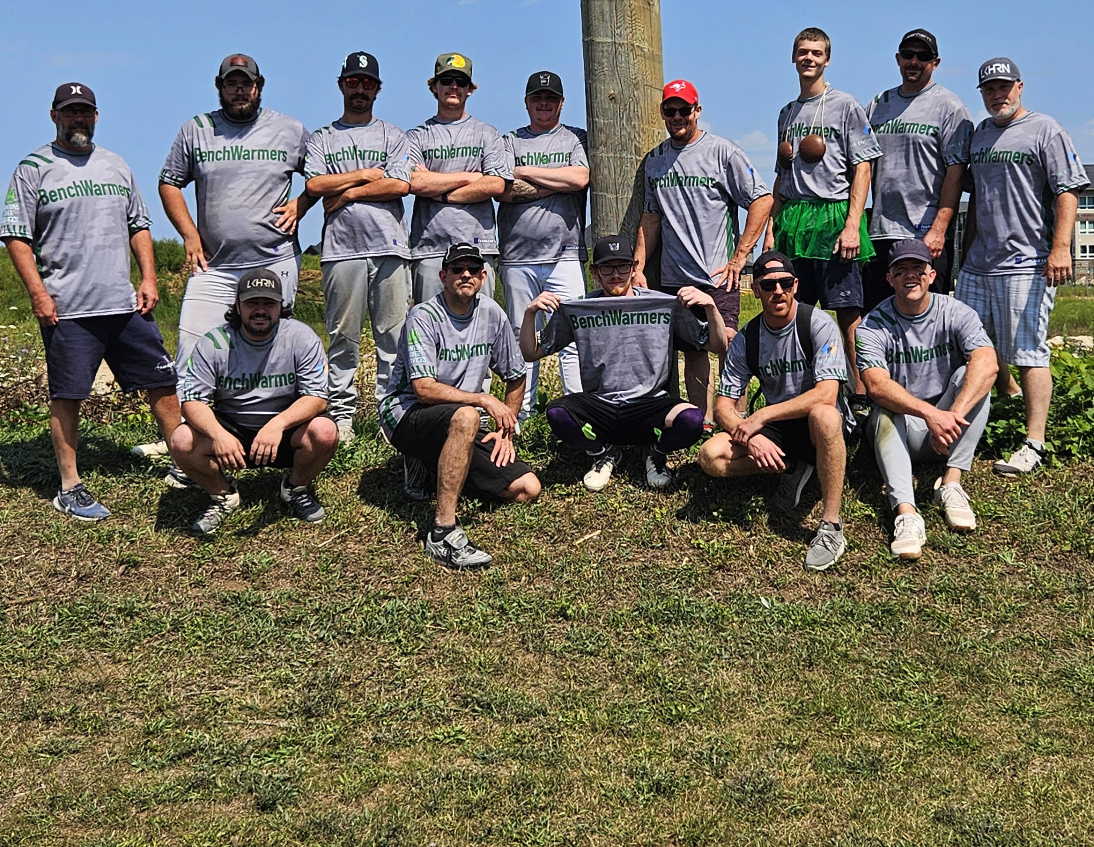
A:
(623, 79)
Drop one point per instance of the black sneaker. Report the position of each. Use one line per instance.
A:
(301, 502)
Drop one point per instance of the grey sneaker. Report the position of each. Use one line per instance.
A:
(153, 448)
(956, 508)
(456, 551)
(1024, 460)
(418, 483)
(177, 479)
(78, 503)
(825, 548)
(219, 507)
(604, 462)
(791, 483)
(301, 502)
(658, 474)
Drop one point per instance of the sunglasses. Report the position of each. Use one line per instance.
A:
(364, 82)
(923, 55)
(768, 283)
(615, 270)
(458, 270)
(459, 79)
(682, 111)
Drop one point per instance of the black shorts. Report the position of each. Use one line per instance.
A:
(833, 283)
(875, 287)
(637, 422)
(131, 343)
(285, 450)
(729, 307)
(792, 437)
(422, 434)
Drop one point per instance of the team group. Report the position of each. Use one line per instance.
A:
(257, 388)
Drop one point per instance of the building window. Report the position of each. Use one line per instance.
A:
(1086, 250)
(1086, 227)
(1086, 201)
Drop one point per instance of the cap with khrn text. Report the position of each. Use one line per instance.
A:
(998, 68)
(259, 282)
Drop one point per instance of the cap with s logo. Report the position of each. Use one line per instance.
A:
(360, 64)
(71, 93)
(544, 81)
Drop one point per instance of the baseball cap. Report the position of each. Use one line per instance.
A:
(452, 62)
(612, 248)
(361, 64)
(998, 68)
(544, 81)
(259, 282)
(681, 89)
(461, 250)
(766, 264)
(239, 62)
(72, 92)
(921, 35)
(909, 248)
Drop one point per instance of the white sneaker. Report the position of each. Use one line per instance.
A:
(955, 505)
(219, 507)
(345, 431)
(153, 448)
(658, 474)
(604, 463)
(909, 536)
(1022, 461)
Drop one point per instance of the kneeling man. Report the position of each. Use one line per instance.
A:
(796, 353)
(449, 345)
(254, 394)
(928, 366)
(624, 338)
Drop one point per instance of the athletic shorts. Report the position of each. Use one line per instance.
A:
(422, 434)
(792, 437)
(130, 343)
(875, 287)
(729, 307)
(1014, 309)
(637, 422)
(833, 283)
(246, 436)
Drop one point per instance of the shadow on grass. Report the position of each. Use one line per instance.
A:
(30, 463)
(177, 509)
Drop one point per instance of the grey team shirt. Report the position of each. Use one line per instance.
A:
(241, 173)
(920, 353)
(455, 350)
(624, 344)
(920, 136)
(251, 383)
(848, 138)
(465, 145)
(784, 371)
(78, 212)
(697, 190)
(362, 228)
(551, 229)
(1017, 170)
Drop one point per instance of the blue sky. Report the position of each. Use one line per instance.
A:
(152, 65)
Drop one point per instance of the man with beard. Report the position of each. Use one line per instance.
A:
(923, 130)
(254, 395)
(1026, 179)
(358, 165)
(71, 216)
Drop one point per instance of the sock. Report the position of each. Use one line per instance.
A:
(1039, 446)
(571, 433)
(438, 532)
(686, 429)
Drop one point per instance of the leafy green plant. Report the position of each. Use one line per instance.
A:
(170, 255)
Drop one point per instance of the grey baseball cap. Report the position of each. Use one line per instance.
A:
(909, 248)
(239, 62)
(259, 282)
(998, 68)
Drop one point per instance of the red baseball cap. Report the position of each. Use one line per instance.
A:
(681, 89)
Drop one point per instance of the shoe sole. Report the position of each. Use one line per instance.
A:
(60, 508)
(958, 528)
(827, 565)
(907, 555)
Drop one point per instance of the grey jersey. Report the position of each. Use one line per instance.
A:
(784, 371)
(1017, 171)
(466, 145)
(921, 135)
(849, 141)
(697, 190)
(920, 353)
(624, 344)
(78, 212)
(251, 383)
(241, 173)
(455, 350)
(551, 229)
(362, 228)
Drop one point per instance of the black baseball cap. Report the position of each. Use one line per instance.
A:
(361, 64)
(772, 262)
(909, 248)
(462, 250)
(612, 248)
(239, 62)
(71, 93)
(921, 35)
(998, 68)
(259, 282)
(544, 81)
(456, 62)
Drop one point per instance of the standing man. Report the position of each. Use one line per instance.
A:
(624, 341)
(1026, 179)
(695, 182)
(449, 346)
(541, 218)
(71, 216)
(823, 179)
(457, 170)
(796, 353)
(929, 367)
(358, 165)
(923, 130)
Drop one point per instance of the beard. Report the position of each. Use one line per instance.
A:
(1007, 111)
(242, 112)
(76, 137)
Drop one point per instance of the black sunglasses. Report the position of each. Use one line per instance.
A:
(459, 269)
(769, 283)
(460, 80)
(923, 55)
(683, 111)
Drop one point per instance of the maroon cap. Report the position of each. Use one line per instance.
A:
(239, 62)
(72, 92)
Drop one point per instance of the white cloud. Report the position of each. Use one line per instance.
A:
(756, 142)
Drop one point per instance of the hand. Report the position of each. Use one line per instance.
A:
(503, 452)
(264, 447)
(503, 416)
(45, 310)
(766, 454)
(148, 295)
(935, 241)
(848, 244)
(334, 202)
(288, 216)
(690, 296)
(945, 428)
(746, 430)
(1058, 266)
(545, 302)
(731, 272)
(228, 452)
(195, 255)
(639, 278)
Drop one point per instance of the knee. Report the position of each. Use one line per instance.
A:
(321, 435)
(182, 441)
(464, 423)
(714, 456)
(524, 490)
(825, 421)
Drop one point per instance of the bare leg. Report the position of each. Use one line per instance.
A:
(1037, 390)
(848, 320)
(524, 489)
(314, 445)
(454, 461)
(722, 457)
(1004, 380)
(193, 453)
(164, 403)
(64, 429)
(826, 432)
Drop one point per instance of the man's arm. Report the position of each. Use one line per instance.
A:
(716, 328)
(944, 425)
(645, 240)
(430, 392)
(776, 204)
(484, 188)
(326, 185)
(289, 215)
(1058, 266)
(519, 191)
(823, 393)
(503, 452)
(530, 347)
(849, 244)
(265, 444)
(980, 373)
(174, 206)
(226, 447)
(759, 213)
(426, 183)
(41, 303)
(148, 294)
(385, 188)
(935, 239)
(565, 180)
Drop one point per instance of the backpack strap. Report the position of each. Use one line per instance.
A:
(803, 324)
(752, 346)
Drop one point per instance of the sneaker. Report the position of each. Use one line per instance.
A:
(177, 479)
(658, 474)
(154, 448)
(78, 503)
(1025, 460)
(456, 551)
(956, 509)
(826, 547)
(219, 507)
(345, 431)
(301, 502)
(417, 480)
(604, 462)
(791, 483)
(909, 536)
